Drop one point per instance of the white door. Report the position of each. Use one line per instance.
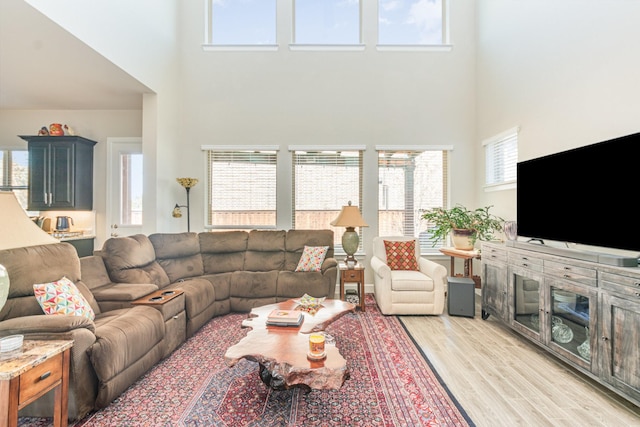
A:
(124, 192)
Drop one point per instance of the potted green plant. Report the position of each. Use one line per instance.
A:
(466, 226)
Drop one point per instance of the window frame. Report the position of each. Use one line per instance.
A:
(501, 159)
(211, 45)
(271, 150)
(444, 46)
(294, 45)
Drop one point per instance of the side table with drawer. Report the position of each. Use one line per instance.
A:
(29, 372)
(352, 274)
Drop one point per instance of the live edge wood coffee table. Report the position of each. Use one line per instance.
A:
(281, 351)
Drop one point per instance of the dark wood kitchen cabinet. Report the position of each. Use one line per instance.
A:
(60, 172)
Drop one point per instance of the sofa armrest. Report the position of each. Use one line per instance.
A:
(43, 324)
(123, 291)
(115, 296)
(329, 269)
(380, 269)
(327, 264)
(437, 272)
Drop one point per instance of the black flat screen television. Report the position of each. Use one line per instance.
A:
(585, 195)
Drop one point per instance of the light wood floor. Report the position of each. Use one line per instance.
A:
(501, 379)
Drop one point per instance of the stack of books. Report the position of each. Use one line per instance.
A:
(285, 318)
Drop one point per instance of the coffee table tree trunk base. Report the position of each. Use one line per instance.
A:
(281, 351)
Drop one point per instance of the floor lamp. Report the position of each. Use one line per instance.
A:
(187, 183)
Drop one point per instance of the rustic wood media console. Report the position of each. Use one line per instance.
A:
(584, 312)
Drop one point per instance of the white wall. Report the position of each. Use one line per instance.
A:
(330, 98)
(566, 72)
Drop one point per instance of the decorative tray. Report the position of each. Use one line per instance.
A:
(10, 343)
(309, 304)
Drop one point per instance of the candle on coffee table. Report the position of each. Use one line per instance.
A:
(316, 346)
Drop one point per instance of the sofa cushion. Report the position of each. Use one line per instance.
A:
(199, 295)
(132, 259)
(221, 283)
(223, 251)
(401, 255)
(62, 297)
(122, 337)
(295, 285)
(178, 254)
(254, 284)
(265, 250)
(312, 258)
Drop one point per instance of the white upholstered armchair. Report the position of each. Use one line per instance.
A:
(419, 291)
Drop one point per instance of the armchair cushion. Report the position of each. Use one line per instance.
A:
(408, 280)
(401, 255)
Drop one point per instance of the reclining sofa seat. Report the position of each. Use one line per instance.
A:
(250, 269)
(177, 265)
(223, 271)
(99, 369)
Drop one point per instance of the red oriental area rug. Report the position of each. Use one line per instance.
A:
(391, 384)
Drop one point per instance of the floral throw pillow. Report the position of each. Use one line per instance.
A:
(401, 255)
(62, 297)
(312, 258)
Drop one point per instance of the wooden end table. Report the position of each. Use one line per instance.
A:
(467, 256)
(352, 274)
(29, 372)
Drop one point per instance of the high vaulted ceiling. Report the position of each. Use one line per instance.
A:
(44, 67)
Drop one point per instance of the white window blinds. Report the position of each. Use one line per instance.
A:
(501, 158)
(241, 188)
(323, 182)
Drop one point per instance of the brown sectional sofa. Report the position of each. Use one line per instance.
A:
(219, 272)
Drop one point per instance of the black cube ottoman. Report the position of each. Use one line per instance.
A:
(461, 296)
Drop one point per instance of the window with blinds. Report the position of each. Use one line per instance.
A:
(410, 181)
(501, 158)
(323, 182)
(241, 188)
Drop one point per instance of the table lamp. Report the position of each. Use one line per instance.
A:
(350, 218)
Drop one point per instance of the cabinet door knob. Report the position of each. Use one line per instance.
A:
(605, 338)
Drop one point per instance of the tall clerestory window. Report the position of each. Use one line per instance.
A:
(327, 22)
(412, 22)
(237, 23)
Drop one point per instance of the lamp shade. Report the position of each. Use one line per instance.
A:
(16, 229)
(349, 217)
